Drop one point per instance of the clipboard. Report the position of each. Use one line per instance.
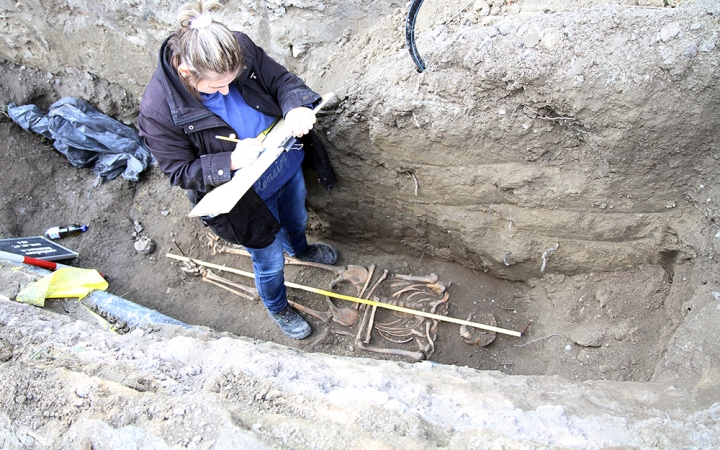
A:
(224, 197)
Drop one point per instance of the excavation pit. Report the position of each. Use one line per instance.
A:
(554, 165)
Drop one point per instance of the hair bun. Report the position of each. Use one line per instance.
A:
(201, 21)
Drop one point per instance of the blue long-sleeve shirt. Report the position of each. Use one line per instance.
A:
(250, 123)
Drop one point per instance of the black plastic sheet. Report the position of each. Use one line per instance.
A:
(87, 137)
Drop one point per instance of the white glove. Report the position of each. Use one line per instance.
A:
(300, 120)
(245, 153)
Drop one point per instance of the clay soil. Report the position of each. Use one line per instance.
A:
(597, 336)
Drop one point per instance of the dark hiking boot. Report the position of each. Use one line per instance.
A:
(319, 253)
(291, 324)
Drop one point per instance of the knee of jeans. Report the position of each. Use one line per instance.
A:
(269, 267)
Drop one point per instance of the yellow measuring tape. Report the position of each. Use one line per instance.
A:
(261, 137)
(355, 299)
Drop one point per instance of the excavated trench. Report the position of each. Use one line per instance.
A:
(555, 165)
(611, 325)
(536, 167)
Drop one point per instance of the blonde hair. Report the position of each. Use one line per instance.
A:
(206, 47)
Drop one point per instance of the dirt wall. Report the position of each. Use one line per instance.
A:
(118, 41)
(589, 130)
(570, 137)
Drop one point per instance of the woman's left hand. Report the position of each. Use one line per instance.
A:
(300, 120)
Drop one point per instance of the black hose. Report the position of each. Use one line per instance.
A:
(410, 34)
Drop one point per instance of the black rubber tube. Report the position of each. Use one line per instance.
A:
(410, 34)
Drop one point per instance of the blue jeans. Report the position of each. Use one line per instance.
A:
(288, 206)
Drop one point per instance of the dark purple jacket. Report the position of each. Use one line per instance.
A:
(180, 132)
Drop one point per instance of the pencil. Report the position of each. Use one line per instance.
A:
(225, 138)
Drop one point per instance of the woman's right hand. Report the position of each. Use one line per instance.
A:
(245, 153)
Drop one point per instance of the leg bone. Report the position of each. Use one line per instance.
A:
(221, 248)
(323, 316)
(371, 271)
(248, 290)
(415, 356)
(227, 288)
(432, 278)
(370, 323)
(377, 283)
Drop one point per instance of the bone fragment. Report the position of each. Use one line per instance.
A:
(193, 269)
(341, 332)
(425, 299)
(217, 247)
(323, 316)
(443, 300)
(358, 340)
(248, 290)
(337, 270)
(401, 328)
(412, 287)
(432, 278)
(371, 271)
(478, 337)
(437, 287)
(238, 293)
(395, 322)
(367, 314)
(431, 341)
(190, 268)
(428, 349)
(344, 316)
(415, 356)
(240, 290)
(442, 309)
(389, 337)
(402, 331)
(374, 308)
(357, 275)
(370, 322)
(377, 283)
(221, 248)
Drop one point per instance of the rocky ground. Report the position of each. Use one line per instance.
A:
(554, 166)
(67, 385)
